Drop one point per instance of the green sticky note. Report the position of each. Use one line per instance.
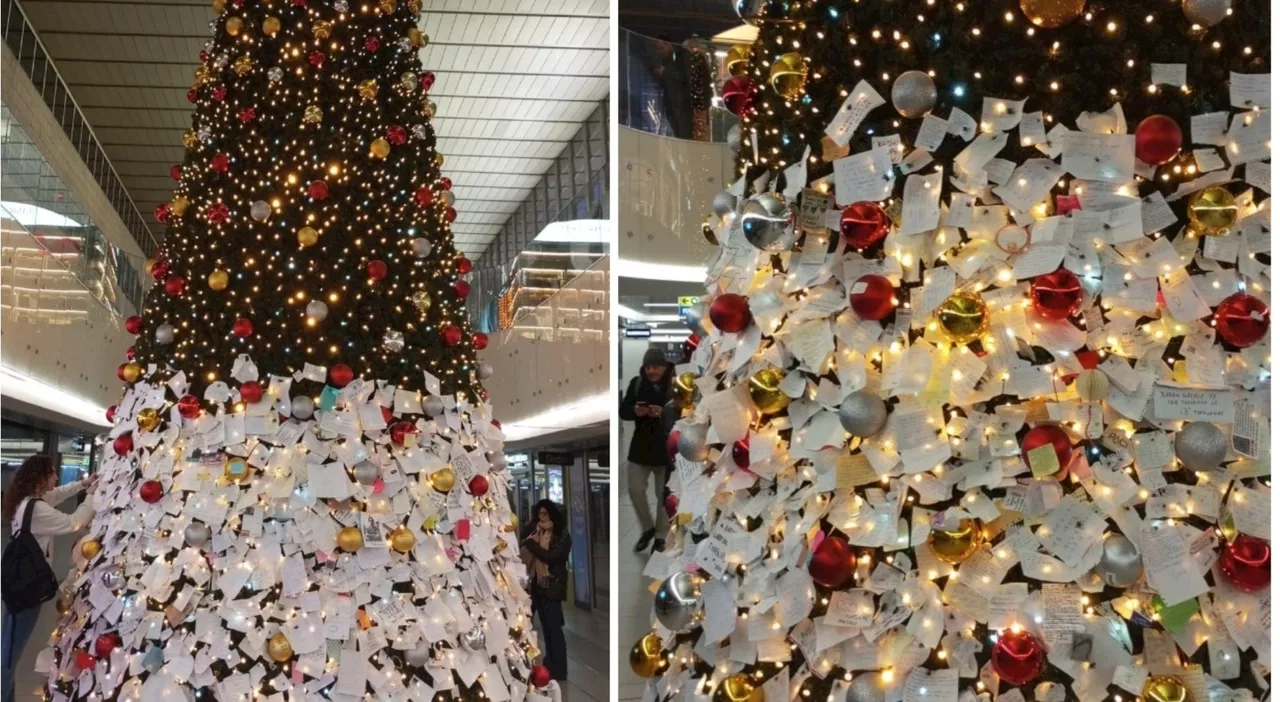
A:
(1043, 460)
(328, 398)
(1175, 617)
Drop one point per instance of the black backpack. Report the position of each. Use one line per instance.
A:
(26, 578)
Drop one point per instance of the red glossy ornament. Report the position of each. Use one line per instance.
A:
(1017, 657)
(462, 265)
(1242, 320)
(671, 504)
(461, 288)
(478, 486)
(371, 44)
(204, 56)
(673, 444)
(133, 324)
(151, 491)
(1056, 295)
(540, 676)
(1157, 140)
(123, 444)
(832, 562)
(376, 269)
(106, 643)
(730, 313)
(450, 214)
(129, 353)
(111, 414)
(446, 183)
(426, 80)
(340, 374)
(220, 93)
(242, 327)
(396, 134)
(84, 661)
(423, 196)
(318, 190)
(218, 213)
(479, 341)
(175, 171)
(160, 271)
(1246, 563)
(742, 453)
(247, 115)
(864, 224)
(316, 59)
(192, 95)
(387, 414)
(400, 431)
(162, 212)
(691, 345)
(739, 95)
(189, 406)
(1048, 434)
(120, 372)
(175, 285)
(451, 335)
(251, 391)
(220, 163)
(872, 297)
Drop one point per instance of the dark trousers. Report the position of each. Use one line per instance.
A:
(555, 654)
(17, 629)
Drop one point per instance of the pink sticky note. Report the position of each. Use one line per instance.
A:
(295, 675)
(322, 557)
(378, 486)
(462, 530)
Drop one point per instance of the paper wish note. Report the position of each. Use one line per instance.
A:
(1106, 157)
(933, 130)
(1169, 566)
(864, 177)
(1181, 297)
(938, 686)
(983, 148)
(920, 208)
(860, 102)
(1038, 260)
(1174, 74)
(1031, 129)
(1250, 90)
(1188, 404)
(1029, 183)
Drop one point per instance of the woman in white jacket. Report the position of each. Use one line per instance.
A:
(36, 483)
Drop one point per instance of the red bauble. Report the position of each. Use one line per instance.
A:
(151, 491)
(220, 163)
(450, 214)
(540, 676)
(340, 374)
(120, 372)
(371, 44)
(318, 190)
(1017, 657)
(242, 328)
(671, 504)
(462, 265)
(376, 269)
(192, 95)
(396, 134)
(691, 345)
(129, 353)
(218, 212)
(426, 80)
(673, 443)
(160, 270)
(864, 224)
(123, 444)
(730, 313)
(1157, 140)
(400, 431)
(832, 563)
(133, 325)
(739, 94)
(872, 297)
(106, 643)
(1242, 320)
(175, 285)
(478, 486)
(479, 341)
(461, 288)
(251, 391)
(162, 212)
(387, 414)
(423, 196)
(247, 115)
(1048, 434)
(1057, 295)
(446, 183)
(175, 171)
(1246, 563)
(189, 406)
(111, 414)
(84, 661)
(316, 59)
(220, 93)
(451, 335)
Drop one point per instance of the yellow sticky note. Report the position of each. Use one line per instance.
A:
(1044, 461)
(853, 470)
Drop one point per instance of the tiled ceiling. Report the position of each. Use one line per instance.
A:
(514, 80)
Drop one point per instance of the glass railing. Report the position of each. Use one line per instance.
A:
(576, 311)
(670, 89)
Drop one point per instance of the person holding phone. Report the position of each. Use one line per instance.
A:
(647, 456)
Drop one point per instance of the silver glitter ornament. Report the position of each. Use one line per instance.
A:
(1206, 13)
(734, 137)
(677, 601)
(421, 247)
(406, 44)
(393, 341)
(317, 310)
(1121, 564)
(863, 414)
(1200, 446)
(867, 687)
(341, 5)
(275, 74)
(165, 334)
(693, 443)
(114, 578)
(260, 210)
(204, 133)
(418, 655)
(433, 406)
(483, 370)
(197, 534)
(301, 407)
(448, 197)
(724, 204)
(473, 639)
(419, 131)
(914, 94)
(366, 472)
(767, 223)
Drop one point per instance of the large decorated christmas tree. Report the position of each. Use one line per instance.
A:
(980, 411)
(304, 494)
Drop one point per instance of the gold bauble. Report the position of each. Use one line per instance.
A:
(279, 648)
(402, 539)
(646, 657)
(90, 548)
(963, 317)
(955, 546)
(438, 160)
(1092, 385)
(234, 25)
(788, 75)
(349, 539)
(765, 392)
(312, 115)
(421, 300)
(408, 81)
(219, 5)
(308, 236)
(1212, 211)
(500, 547)
(242, 65)
(415, 36)
(368, 89)
(1052, 13)
(321, 29)
(271, 26)
(202, 74)
(738, 688)
(1165, 688)
(218, 280)
(684, 389)
(131, 372)
(190, 140)
(148, 264)
(415, 6)
(236, 469)
(179, 205)
(148, 418)
(387, 6)
(380, 148)
(442, 480)
(428, 108)
(737, 61)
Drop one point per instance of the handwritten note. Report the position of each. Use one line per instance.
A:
(1216, 406)
(1107, 157)
(861, 101)
(864, 177)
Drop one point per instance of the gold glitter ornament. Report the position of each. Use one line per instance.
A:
(312, 115)
(279, 648)
(271, 26)
(131, 372)
(416, 37)
(148, 418)
(1212, 211)
(321, 29)
(234, 26)
(368, 89)
(402, 540)
(380, 148)
(422, 300)
(190, 140)
(308, 236)
(387, 6)
(218, 280)
(963, 317)
(1052, 13)
(242, 65)
(179, 205)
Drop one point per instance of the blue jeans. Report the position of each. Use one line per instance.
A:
(17, 629)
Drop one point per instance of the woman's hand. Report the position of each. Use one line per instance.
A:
(90, 482)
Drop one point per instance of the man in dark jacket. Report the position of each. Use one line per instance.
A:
(647, 457)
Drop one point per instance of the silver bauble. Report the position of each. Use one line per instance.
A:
(914, 94)
(317, 310)
(499, 462)
(301, 407)
(275, 73)
(863, 414)
(483, 370)
(260, 210)
(734, 137)
(767, 223)
(867, 687)
(421, 247)
(1206, 13)
(1121, 564)
(448, 197)
(165, 334)
(366, 472)
(418, 655)
(197, 534)
(724, 204)
(393, 341)
(1200, 446)
(677, 601)
(693, 443)
(114, 578)
(751, 11)
(473, 639)
(433, 406)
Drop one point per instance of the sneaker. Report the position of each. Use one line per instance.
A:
(659, 545)
(645, 537)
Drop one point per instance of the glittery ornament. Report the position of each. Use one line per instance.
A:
(1200, 446)
(863, 414)
(1212, 211)
(1206, 13)
(302, 407)
(279, 648)
(402, 539)
(197, 534)
(867, 687)
(693, 443)
(317, 311)
(914, 94)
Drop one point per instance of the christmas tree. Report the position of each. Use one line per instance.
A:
(980, 410)
(304, 493)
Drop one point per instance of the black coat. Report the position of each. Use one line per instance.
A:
(649, 442)
(557, 560)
